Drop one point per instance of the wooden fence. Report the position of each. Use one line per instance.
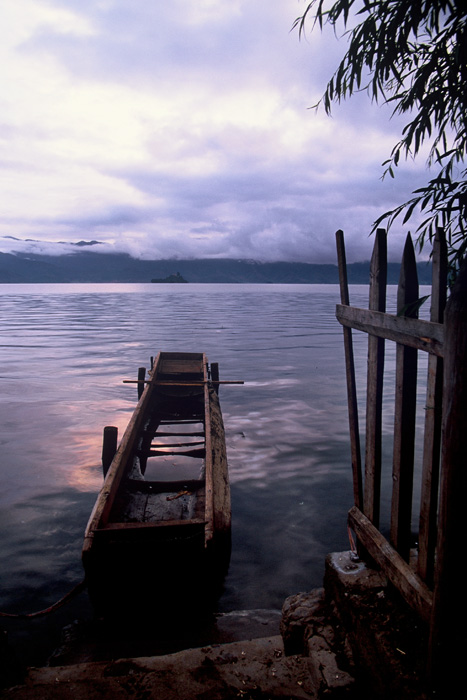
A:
(430, 577)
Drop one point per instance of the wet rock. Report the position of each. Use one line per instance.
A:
(300, 613)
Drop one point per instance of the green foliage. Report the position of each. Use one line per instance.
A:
(411, 54)
(411, 310)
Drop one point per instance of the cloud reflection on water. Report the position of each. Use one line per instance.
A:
(65, 353)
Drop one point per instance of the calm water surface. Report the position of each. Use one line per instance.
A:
(65, 350)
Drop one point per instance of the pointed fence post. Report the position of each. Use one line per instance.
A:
(433, 416)
(375, 377)
(405, 410)
(350, 373)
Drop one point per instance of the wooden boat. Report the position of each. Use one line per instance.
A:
(164, 508)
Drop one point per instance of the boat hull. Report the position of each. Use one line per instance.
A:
(161, 525)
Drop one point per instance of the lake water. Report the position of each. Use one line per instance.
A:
(65, 350)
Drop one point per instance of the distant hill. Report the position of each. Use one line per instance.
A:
(86, 266)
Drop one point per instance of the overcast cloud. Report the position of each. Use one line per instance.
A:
(183, 128)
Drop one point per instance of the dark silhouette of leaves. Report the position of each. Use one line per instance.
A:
(411, 54)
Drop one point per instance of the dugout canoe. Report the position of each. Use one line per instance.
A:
(164, 508)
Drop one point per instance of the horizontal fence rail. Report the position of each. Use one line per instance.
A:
(412, 332)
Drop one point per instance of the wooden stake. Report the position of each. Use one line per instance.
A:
(109, 446)
(351, 383)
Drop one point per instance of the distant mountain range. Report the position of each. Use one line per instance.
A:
(85, 266)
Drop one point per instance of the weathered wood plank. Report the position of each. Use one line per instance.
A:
(355, 450)
(404, 413)
(164, 445)
(115, 474)
(208, 465)
(433, 416)
(166, 382)
(141, 380)
(177, 364)
(113, 527)
(172, 434)
(449, 623)
(221, 482)
(375, 376)
(182, 421)
(109, 446)
(199, 453)
(415, 592)
(215, 375)
(413, 332)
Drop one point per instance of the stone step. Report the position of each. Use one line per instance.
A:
(255, 668)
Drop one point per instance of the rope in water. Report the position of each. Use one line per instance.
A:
(71, 594)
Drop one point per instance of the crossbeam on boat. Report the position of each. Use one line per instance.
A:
(163, 445)
(181, 421)
(197, 434)
(200, 452)
(113, 527)
(162, 382)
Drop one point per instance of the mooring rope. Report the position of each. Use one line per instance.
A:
(71, 594)
(353, 546)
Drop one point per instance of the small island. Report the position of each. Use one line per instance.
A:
(171, 278)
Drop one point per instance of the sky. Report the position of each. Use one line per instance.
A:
(185, 129)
